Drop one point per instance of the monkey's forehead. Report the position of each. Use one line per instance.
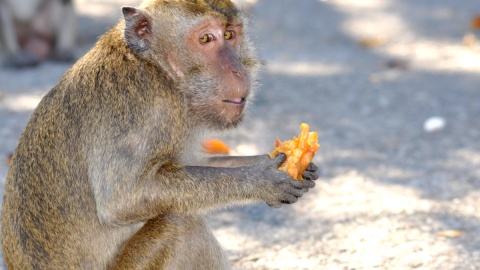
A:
(224, 7)
(216, 8)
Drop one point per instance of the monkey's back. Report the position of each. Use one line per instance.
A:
(49, 211)
(46, 183)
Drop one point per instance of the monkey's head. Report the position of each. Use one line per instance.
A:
(201, 45)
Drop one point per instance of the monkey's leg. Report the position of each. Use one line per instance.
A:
(176, 241)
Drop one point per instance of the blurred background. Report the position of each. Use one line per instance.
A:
(393, 89)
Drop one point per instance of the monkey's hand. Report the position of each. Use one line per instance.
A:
(310, 172)
(280, 186)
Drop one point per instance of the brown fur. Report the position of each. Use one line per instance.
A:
(101, 177)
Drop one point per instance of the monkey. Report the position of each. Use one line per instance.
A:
(35, 30)
(105, 175)
(245, 6)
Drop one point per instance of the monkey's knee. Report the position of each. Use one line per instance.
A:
(172, 242)
(152, 247)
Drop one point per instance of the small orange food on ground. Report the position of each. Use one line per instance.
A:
(475, 23)
(299, 151)
(215, 146)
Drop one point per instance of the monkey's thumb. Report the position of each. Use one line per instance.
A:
(279, 159)
(274, 204)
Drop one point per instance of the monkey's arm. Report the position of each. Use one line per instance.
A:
(235, 161)
(239, 161)
(169, 188)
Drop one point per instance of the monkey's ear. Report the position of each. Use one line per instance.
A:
(138, 31)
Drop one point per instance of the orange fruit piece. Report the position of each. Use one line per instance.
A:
(475, 22)
(215, 147)
(299, 151)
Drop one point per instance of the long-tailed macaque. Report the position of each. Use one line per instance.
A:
(103, 176)
(36, 30)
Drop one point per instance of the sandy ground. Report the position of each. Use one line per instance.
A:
(391, 195)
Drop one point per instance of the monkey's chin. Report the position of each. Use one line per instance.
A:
(235, 123)
(231, 117)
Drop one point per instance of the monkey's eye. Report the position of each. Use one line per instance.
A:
(206, 38)
(229, 34)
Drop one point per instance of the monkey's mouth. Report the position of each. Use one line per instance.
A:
(236, 101)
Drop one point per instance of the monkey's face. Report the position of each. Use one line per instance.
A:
(218, 83)
(204, 50)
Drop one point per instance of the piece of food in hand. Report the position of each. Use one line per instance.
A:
(215, 147)
(299, 151)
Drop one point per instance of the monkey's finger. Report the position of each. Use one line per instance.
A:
(310, 175)
(297, 184)
(289, 199)
(307, 183)
(274, 204)
(297, 192)
(300, 191)
(279, 159)
(312, 167)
